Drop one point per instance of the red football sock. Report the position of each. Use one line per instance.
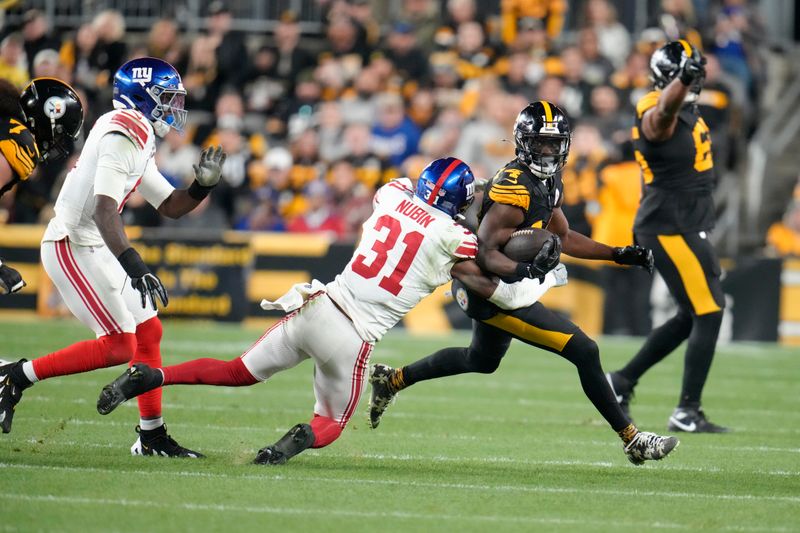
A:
(208, 371)
(105, 351)
(326, 430)
(148, 351)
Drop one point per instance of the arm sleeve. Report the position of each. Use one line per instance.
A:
(466, 245)
(115, 162)
(154, 187)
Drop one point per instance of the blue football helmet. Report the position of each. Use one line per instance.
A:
(153, 87)
(447, 184)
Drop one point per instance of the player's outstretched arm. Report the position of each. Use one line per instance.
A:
(658, 123)
(507, 296)
(207, 175)
(578, 245)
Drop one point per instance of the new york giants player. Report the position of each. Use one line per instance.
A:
(410, 245)
(87, 255)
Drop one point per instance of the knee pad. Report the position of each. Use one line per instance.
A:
(150, 331)
(581, 350)
(119, 348)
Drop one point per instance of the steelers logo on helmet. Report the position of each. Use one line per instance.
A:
(55, 107)
(542, 137)
(462, 299)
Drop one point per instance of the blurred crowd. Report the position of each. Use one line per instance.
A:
(313, 124)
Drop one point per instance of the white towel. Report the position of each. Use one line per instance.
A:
(294, 298)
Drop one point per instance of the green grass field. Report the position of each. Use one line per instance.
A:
(521, 449)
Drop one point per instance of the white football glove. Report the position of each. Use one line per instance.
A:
(208, 171)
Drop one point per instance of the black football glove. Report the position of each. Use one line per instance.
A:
(546, 260)
(634, 255)
(693, 70)
(144, 281)
(10, 279)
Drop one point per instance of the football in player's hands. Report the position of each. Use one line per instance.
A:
(634, 255)
(524, 244)
(208, 171)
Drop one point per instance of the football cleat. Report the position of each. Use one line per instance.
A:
(647, 446)
(159, 442)
(10, 395)
(382, 394)
(299, 438)
(136, 380)
(693, 420)
(623, 391)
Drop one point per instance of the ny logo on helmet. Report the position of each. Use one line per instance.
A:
(142, 75)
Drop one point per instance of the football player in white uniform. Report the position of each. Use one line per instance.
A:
(88, 256)
(410, 245)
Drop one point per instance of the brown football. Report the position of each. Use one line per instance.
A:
(524, 244)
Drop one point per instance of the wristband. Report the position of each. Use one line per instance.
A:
(523, 270)
(132, 263)
(197, 191)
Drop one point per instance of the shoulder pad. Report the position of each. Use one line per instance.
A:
(19, 148)
(646, 102)
(131, 124)
(505, 187)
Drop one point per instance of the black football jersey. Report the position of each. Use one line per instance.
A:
(516, 185)
(678, 174)
(18, 147)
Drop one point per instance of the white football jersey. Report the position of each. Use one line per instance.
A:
(406, 251)
(109, 165)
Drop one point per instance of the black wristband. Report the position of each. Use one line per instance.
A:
(197, 191)
(523, 270)
(132, 262)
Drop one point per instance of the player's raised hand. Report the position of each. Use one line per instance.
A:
(10, 279)
(208, 171)
(634, 255)
(693, 69)
(144, 281)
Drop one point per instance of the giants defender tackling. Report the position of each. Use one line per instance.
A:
(528, 192)
(410, 245)
(88, 256)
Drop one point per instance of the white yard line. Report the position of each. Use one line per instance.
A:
(496, 460)
(417, 484)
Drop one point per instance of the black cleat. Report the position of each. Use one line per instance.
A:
(693, 420)
(137, 380)
(623, 391)
(10, 393)
(158, 442)
(647, 446)
(382, 394)
(299, 438)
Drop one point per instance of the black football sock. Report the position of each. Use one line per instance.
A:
(661, 342)
(445, 362)
(699, 354)
(585, 355)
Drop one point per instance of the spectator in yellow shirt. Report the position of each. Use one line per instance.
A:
(11, 50)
